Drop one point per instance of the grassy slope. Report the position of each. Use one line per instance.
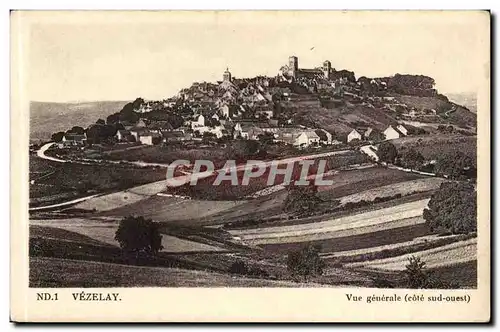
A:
(82, 180)
(433, 146)
(54, 272)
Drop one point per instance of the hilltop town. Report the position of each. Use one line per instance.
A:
(299, 107)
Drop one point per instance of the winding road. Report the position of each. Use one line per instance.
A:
(41, 153)
(111, 201)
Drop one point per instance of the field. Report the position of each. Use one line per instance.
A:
(365, 239)
(401, 188)
(325, 229)
(98, 233)
(454, 253)
(166, 155)
(54, 272)
(173, 209)
(354, 181)
(55, 182)
(433, 146)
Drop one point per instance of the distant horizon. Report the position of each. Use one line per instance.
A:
(147, 99)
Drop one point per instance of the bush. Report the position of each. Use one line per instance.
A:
(417, 277)
(387, 152)
(453, 209)
(302, 200)
(305, 262)
(238, 267)
(138, 235)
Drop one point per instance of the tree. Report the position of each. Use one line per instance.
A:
(302, 200)
(305, 262)
(128, 114)
(113, 118)
(411, 159)
(387, 152)
(77, 130)
(245, 148)
(57, 137)
(97, 133)
(455, 165)
(100, 121)
(417, 277)
(266, 138)
(138, 235)
(136, 104)
(452, 209)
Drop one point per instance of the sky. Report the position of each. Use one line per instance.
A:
(87, 56)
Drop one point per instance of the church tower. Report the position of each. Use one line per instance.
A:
(293, 65)
(227, 76)
(327, 69)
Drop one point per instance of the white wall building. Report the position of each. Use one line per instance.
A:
(391, 133)
(354, 134)
(307, 138)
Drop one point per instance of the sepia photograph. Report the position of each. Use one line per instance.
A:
(246, 149)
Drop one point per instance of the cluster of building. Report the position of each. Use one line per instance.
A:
(372, 134)
(152, 133)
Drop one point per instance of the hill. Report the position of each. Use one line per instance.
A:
(47, 118)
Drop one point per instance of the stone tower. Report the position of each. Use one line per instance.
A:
(327, 68)
(227, 75)
(293, 65)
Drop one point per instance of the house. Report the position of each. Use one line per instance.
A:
(138, 131)
(225, 110)
(402, 129)
(307, 138)
(354, 134)
(71, 139)
(122, 135)
(392, 133)
(175, 136)
(199, 122)
(150, 138)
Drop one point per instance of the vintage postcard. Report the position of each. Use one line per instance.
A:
(250, 166)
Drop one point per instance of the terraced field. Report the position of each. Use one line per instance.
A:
(354, 181)
(401, 188)
(459, 252)
(167, 209)
(98, 233)
(403, 214)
